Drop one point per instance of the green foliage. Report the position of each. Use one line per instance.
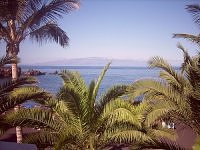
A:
(75, 114)
(175, 94)
(34, 19)
(76, 119)
(13, 93)
(196, 146)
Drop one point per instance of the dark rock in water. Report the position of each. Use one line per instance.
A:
(56, 72)
(33, 73)
(6, 72)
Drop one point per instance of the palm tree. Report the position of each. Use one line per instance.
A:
(36, 19)
(75, 119)
(179, 89)
(194, 10)
(78, 120)
(12, 94)
(138, 125)
(7, 60)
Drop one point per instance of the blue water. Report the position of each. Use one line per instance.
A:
(114, 76)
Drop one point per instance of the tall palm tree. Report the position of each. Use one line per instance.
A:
(194, 10)
(7, 60)
(34, 19)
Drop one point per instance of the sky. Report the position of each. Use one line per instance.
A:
(118, 29)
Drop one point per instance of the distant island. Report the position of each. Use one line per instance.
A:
(98, 61)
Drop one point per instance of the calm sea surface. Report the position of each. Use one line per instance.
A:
(114, 75)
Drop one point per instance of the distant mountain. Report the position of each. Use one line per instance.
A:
(96, 61)
(92, 61)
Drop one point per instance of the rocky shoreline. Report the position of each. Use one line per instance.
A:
(6, 72)
(33, 73)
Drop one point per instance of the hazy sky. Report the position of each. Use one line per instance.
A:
(124, 29)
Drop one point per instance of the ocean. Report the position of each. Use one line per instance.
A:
(114, 75)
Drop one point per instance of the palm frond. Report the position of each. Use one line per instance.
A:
(153, 89)
(120, 111)
(91, 100)
(186, 56)
(194, 10)
(72, 98)
(62, 109)
(162, 133)
(52, 32)
(190, 37)
(21, 95)
(8, 86)
(90, 104)
(35, 117)
(21, 8)
(67, 117)
(97, 85)
(75, 91)
(30, 93)
(129, 136)
(155, 115)
(177, 80)
(111, 94)
(4, 126)
(161, 144)
(158, 111)
(42, 138)
(167, 73)
(41, 12)
(156, 90)
(74, 80)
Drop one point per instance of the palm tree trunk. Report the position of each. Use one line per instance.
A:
(14, 71)
(18, 129)
(13, 51)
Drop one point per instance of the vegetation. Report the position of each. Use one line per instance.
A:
(36, 19)
(178, 91)
(194, 10)
(7, 60)
(77, 117)
(74, 120)
(13, 93)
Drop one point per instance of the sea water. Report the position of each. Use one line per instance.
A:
(114, 76)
